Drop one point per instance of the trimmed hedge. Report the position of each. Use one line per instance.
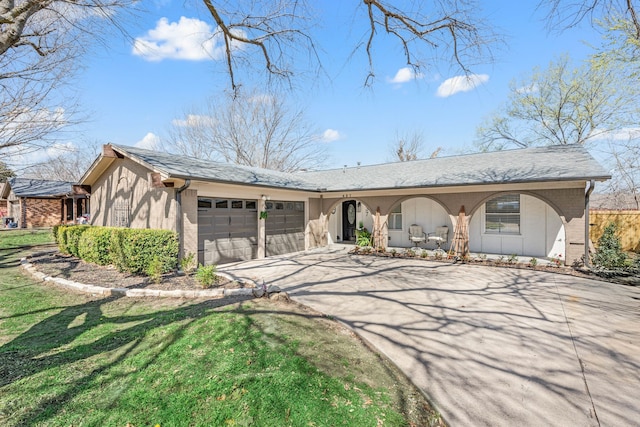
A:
(130, 250)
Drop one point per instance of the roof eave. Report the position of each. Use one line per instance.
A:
(523, 181)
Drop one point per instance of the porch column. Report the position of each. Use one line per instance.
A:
(262, 230)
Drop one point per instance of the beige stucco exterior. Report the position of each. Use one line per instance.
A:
(126, 181)
(123, 180)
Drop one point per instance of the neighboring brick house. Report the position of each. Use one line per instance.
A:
(3, 202)
(41, 203)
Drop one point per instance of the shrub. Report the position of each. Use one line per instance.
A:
(154, 270)
(513, 258)
(533, 262)
(132, 250)
(363, 237)
(188, 262)
(206, 275)
(609, 252)
(54, 230)
(68, 238)
(94, 245)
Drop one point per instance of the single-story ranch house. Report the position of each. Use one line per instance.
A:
(529, 202)
(41, 203)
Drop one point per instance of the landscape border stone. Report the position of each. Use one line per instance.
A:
(255, 291)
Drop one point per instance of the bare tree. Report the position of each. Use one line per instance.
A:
(40, 46)
(250, 129)
(272, 30)
(409, 146)
(563, 14)
(66, 163)
(624, 188)
(561, 105)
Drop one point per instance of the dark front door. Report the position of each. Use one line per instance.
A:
(349, 220)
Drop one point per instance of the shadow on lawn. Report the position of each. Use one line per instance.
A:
(47, 345)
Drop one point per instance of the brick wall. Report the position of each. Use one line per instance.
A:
(41, 213)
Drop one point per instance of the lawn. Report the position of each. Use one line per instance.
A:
(72, 359)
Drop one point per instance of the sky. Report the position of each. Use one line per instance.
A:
(134, 88)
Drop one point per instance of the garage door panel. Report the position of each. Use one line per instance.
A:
(285, 228)
(227, 230)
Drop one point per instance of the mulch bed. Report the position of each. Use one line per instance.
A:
(54, 264)
(620, 277)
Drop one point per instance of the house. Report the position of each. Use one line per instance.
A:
(41, 203)
(529, 202)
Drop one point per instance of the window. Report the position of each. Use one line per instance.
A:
(222, 204)
(204, 203)
(502, 215)
(236, 204)
(395, 218)
(121, 214)
(251, 204)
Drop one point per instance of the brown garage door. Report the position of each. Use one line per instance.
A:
(227, 230)
(284, 227)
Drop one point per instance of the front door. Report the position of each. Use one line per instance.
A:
(349, 220)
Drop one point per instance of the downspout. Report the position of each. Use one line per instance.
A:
(590, 189)
(179, 191)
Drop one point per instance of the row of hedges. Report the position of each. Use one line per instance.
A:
(136, 251)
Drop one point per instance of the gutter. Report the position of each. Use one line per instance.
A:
(590, 189)
(179, 191)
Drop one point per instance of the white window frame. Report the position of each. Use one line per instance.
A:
(395, 217)
(496, 216)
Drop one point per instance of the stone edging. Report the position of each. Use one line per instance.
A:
(136, 293)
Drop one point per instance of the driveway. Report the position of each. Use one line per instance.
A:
(489, 346)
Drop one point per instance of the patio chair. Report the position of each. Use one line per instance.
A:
(440, 236)
(416, 235)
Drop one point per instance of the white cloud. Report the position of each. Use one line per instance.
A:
(149, 142)
(457, 84)
(189, 39)
(194, 120)
(623, 135)
(331, 135)
(405, 75)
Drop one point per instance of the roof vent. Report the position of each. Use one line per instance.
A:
(345, 169)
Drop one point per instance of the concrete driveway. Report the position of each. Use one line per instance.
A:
(489, 346)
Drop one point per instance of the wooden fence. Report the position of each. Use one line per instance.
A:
(627, 222)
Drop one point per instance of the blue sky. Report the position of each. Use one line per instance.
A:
(132, 98)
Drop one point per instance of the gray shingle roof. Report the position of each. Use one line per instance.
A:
(540, 164)
(178, 166)
(25, 187)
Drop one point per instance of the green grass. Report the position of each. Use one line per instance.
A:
(69, 359)
(15, 238)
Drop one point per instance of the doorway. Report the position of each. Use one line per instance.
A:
(349, 221)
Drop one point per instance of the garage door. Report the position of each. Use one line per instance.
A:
(227, 230)
(284, 227)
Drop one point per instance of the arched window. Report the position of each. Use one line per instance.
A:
(502, 215)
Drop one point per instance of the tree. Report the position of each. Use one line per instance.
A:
(273, 30)
(5, 172)
(409, 146)
(40, 44)
(561, 105)
(67, 163)
(563, 15)
(250, 129)
(609, 253)
(624, 188)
